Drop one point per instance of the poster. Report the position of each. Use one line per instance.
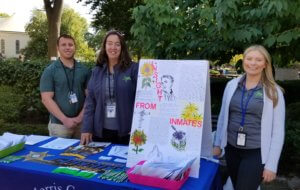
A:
(169, 111)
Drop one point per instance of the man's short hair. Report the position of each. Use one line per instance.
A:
(64, 36)
(168, 77)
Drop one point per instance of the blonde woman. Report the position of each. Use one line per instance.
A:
(251, 122)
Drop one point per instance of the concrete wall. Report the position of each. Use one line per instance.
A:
(10, 42)
(286, 74)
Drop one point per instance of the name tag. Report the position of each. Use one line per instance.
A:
(111, 110)
(73, 98)
(241, 139)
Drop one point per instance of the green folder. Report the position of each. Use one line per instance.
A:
(11, 149)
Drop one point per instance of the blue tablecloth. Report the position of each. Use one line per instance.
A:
(25, 175)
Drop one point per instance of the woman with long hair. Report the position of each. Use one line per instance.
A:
(111, 93)
(251, 122)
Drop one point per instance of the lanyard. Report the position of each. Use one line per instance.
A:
(70, 87)
(244, 109)
(110, 91)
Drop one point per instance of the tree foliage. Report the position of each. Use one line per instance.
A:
(95, 40)
(71, 23)
(113, 14)
(38, 32)
(75, 25)
(217, 29)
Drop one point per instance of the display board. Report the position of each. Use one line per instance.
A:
(171, 99)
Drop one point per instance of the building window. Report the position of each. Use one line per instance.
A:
(17, 46)
(2, 46)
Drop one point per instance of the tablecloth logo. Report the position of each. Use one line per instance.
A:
(55, 187)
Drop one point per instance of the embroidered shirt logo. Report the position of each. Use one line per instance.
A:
(258, 94)
(126, 78)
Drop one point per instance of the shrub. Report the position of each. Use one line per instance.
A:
(290, 158)
(25, 78)
(9, 101)
(24, 129)
(291, 89)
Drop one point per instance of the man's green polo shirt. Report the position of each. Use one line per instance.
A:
(54, 80)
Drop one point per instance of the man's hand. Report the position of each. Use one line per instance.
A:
(86, 138)
(268, 175)
(69, 122)
(78, 119)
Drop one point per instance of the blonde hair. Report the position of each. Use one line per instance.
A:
(267, 78)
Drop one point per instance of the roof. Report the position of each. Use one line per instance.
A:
(13, 23)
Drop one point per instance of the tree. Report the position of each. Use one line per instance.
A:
(53, 11)
(95, 40)
(115, 14)
(217, 30)
(274, 24)
(71, 23)
(174, 29)
(76, 26)
(37, 29)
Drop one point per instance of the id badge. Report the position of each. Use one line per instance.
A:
(73, 98)
(111, 110)
(241, 139)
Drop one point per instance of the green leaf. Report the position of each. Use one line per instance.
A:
(270, 41)
(285, 37)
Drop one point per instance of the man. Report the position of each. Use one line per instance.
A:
(63, 89)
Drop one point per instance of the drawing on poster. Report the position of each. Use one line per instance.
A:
(142, 114)
(156, 154)
(178, 140)
(147, 72)
(167, 82)
(190, 112)
(138, 138)
(169, 111)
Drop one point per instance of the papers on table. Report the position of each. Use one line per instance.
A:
(165, 170)
(10, 139)
(98, 144)
(120, 151)
(34, 139)
(60, 143)
(4, 143)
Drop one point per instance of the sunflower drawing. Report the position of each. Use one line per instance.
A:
(147, 70)
(138, 138)
(190, 112)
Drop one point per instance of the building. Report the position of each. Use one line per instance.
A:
(13, 37)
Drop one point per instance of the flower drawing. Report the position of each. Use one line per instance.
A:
(178, 140)
(190, 112)
(138, 138)
(147, 70)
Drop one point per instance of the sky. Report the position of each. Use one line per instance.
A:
(23, 8)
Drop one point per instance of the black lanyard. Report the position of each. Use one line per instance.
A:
(70, 86)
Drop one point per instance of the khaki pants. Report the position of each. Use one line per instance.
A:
(58, 130)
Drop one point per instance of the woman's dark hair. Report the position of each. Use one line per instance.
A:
(124, 59)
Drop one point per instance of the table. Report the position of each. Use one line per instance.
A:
(25, 175)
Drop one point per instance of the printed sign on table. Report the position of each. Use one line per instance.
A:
(169, 111)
